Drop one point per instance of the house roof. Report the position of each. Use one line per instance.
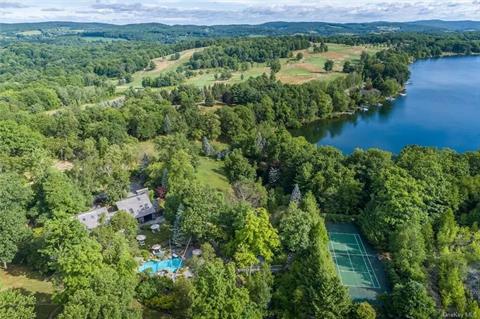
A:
(138, 205)
(91, 219)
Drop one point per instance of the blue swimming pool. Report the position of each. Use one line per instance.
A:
(172, 265)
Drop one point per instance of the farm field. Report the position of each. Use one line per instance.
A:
(292, 71)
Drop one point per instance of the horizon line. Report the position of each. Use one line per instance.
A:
(233, 24)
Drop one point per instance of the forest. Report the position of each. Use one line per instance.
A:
(69, 140)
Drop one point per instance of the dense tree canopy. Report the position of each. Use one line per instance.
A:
(70, 140)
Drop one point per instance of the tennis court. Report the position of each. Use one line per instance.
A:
(357, 264)
(353, 263)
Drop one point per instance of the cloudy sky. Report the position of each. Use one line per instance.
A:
(235, 11)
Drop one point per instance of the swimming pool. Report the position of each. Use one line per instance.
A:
(172, 265)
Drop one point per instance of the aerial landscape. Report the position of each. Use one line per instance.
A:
(239, 159)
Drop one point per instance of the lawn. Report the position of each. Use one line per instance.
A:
(24, 279)
(162, 64)
(293, 72)
(30, 33)
(207, 79)
(102, 39)
(161, 237)
(145, 148)
(211, 172)
(311, 66)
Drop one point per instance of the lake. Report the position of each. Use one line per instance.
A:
(441, 109)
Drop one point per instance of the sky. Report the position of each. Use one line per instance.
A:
(208, 12)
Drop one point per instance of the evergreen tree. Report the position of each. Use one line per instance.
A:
(296, 195)
(273, 175)
(167, 125)
(178, 237)
(164, 178)
(209, 100)
(260, 143)
(207, 148)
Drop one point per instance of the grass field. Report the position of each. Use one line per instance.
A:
(30, 33)
(102, 39)
(163, 64)
(22, 278)
(207, 79)
(292, 71)
(311, 66)
(211, 172)
(145, 148)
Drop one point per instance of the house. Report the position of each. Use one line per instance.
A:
(95, 217)
(138, 205)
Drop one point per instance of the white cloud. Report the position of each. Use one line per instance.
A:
(238, 11)
(11, 5)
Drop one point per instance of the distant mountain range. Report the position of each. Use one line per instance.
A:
(169, 33)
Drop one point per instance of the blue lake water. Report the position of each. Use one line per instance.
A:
(441, 109)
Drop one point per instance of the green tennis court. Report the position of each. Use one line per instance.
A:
(357, 263)
(353, 263)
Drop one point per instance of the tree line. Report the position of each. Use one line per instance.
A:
(420, 207)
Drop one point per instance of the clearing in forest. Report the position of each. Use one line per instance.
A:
(18, 277)
(311, 67)
(292, 71)
(357, 265)
(211, 172)
(162, 64)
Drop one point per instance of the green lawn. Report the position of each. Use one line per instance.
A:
(292, 71)
(145, 148)
(162, 65)
(211, 172)
(161, 237)
(311, 66)
(102, 39)
(207, 79)
(30, 33)
(19, 277)
(316, 60)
